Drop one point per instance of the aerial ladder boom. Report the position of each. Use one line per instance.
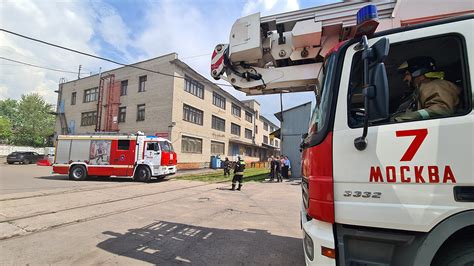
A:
(285, 53)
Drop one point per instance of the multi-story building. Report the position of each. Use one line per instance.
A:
(200, 118)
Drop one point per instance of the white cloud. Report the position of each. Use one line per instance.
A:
(70, 24)
(268, 7)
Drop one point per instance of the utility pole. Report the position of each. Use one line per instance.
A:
(281, 106)
(79, 72)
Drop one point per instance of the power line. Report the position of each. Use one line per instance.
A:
(101, 58)
(28, 64)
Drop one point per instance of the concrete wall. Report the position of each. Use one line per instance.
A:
(157, 98)
(295, 123)
(7, 149)
(205, 131)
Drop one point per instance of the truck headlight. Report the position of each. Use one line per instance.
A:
(308, 246)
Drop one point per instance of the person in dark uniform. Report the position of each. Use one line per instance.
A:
(227, 167)
(278, 169)
(238, 173)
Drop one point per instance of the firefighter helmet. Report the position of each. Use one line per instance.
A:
(418, 66)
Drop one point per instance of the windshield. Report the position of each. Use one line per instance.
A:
(321, 109)
(166, 146)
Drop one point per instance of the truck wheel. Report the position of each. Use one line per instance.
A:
(142, 174)
(461, 253)
(78, 173)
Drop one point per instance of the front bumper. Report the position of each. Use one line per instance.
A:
(321, 235)
(164, 170)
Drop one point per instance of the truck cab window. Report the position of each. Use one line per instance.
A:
(166, 146)
(427, 80)
(152, 146)
(320, 112)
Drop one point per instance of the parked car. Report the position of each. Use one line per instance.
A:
(24, 157)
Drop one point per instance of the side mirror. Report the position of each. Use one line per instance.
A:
(376, 85)
(378, 100)
(379, 51)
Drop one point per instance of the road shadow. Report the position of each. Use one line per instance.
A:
(100, 179)
(170, 243)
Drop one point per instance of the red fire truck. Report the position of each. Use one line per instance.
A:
(140, 156)
(376, 190)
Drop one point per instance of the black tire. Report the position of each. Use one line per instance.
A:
(10, 162)
(457, 253)
(142, 174)
(78, 173)
(25, 161)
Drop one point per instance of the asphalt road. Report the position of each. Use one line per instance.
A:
(47, 219)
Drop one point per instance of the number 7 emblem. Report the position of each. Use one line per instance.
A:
(420, 135)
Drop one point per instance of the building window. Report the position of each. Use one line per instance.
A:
(73, 98)
(265, 126)
(88, 118)
(191, 145)
(140, 112)
(235, 129)
(272, 129)
(265, 139)
(217, 147)
(218, 123)
(256, 129)
(271, 142)
(194, 87)
(248, 116)
(123, 87)
(218, 100)
(248, 151)
(91, 95)
(192, 114)
(122, 114)
(276, 143)
(248, 133)
(236, 110)
(141, 83)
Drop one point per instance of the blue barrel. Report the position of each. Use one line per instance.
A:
(218, 162)
(213, 162)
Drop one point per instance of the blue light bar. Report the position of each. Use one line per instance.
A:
(367, 13)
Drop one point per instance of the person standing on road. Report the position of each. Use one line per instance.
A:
(238, 173)
(278, 169)
(271, 165)
(286, 167)
(226, 166)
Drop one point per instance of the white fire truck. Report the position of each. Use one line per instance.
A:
(375, 191)
(140, 156)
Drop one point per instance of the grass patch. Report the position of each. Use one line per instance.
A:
(251, 174)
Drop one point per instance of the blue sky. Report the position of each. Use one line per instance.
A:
(127, 31)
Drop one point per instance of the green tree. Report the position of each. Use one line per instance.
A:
(5, 129)
(35, 122)
(9, 111)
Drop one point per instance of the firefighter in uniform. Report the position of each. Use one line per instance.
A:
(432, 95)
(238, 173)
